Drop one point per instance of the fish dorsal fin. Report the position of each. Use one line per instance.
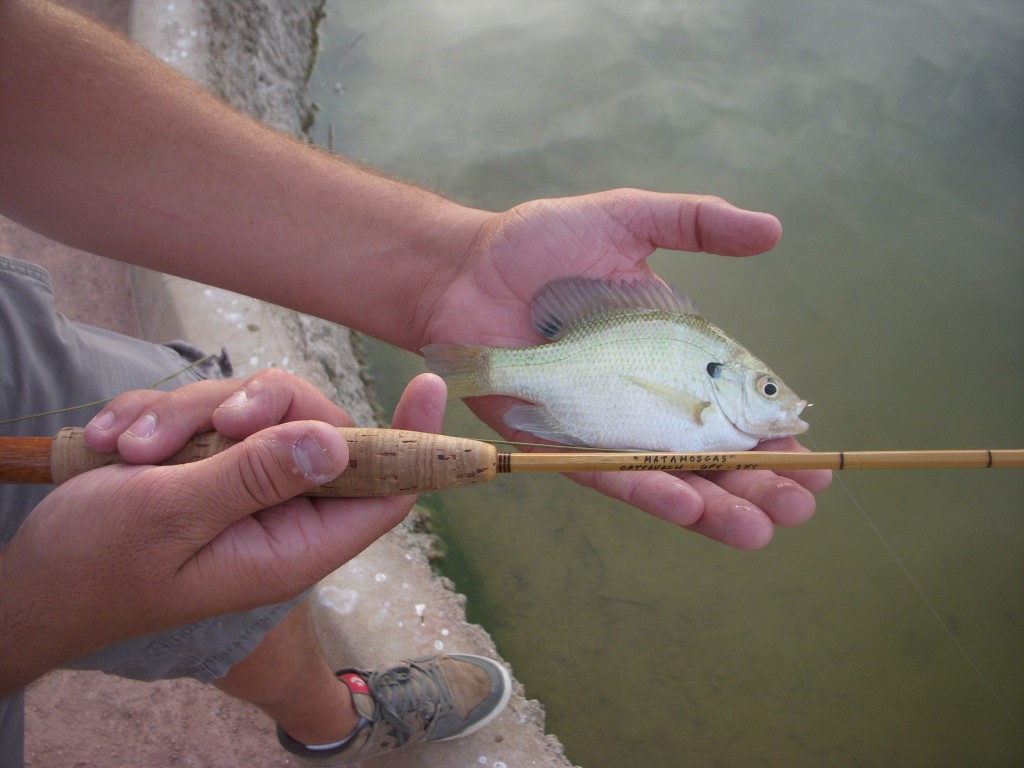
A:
(560, 304)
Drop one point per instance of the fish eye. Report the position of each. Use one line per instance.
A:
(767, 386)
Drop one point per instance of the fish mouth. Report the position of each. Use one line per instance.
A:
(789, 422)
(797, 425)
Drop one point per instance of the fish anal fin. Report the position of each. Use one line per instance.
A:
(536, 420)
(678, 400)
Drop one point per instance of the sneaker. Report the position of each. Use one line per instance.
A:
(418, 700)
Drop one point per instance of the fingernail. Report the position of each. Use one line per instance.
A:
(239, 398)
(144, 426)
(312, 459)
(102, 421)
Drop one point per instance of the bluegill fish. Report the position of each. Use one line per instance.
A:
(631, 366)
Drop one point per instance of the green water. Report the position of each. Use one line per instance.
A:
(887, 136)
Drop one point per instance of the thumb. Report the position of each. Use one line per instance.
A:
(726, 230)
(262, 471)
(697, 223)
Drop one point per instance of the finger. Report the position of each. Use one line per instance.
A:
(701, 223)
(336, 530)
(782, 499)
(657, 493)
(689, 501)
(728, 518)
(741, 505)
(264, 470)
(271, 397)
(160, 423)
(421, 407)
(102, 431)
(814, 480)
(724, 229)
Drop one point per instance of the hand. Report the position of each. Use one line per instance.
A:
(609, 236)
(126, 550)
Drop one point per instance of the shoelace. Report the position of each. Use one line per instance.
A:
(406, 689)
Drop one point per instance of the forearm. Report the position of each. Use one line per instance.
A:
(30, 638)
(22, 661)
(107, 149)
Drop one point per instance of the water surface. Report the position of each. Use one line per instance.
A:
(887, 138)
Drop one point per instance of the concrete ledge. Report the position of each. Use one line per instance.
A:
(387, 603)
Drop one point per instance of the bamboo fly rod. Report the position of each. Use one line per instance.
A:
(385, 462)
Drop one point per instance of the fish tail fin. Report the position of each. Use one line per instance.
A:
(465, 368)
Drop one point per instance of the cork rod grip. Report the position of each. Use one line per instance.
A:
(382, 462)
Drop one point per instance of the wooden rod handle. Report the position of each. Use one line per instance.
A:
(382, 462)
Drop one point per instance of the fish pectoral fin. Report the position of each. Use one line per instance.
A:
(676, 399)
(536, 420)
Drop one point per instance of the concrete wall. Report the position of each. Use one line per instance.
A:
(386, 604)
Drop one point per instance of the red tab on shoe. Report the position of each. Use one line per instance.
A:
(355, 683)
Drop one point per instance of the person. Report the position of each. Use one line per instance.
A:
(108, 150)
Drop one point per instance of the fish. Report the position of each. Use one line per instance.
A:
(630, 365)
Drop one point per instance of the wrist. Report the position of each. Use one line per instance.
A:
(37, 625)
(415, 244)
(433, 261)
(26, 655)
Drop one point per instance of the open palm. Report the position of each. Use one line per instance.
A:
(609, 236)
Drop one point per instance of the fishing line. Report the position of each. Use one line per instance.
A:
(551, 446)
(104, 401)
(917, 588)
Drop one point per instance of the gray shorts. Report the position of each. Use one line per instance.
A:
(48, 362)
